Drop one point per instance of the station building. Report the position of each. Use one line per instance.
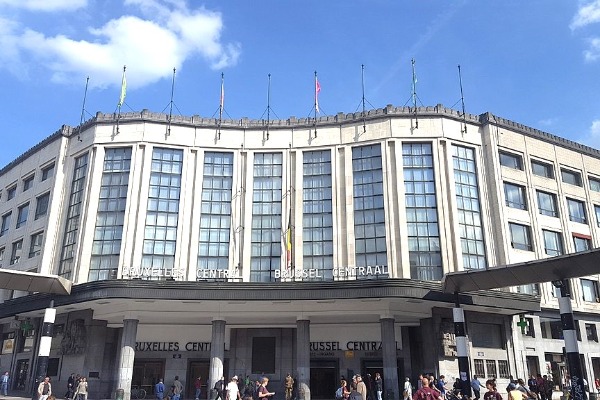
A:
(311, 247)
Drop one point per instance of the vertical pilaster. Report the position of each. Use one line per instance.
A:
(461, 349)
(217, 353)
(570, 335)
(128, 338)
(303, 358)
(390, 360)
(44, 347)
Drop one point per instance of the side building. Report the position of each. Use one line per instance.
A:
(314, 248)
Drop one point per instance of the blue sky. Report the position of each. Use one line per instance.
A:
(536, 62)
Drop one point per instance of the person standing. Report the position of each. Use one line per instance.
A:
(159, 390)
(492, 393)
(5, 380)
(426, 392)
(70, 387)
(44, 389)
(177, 388)
(233, 392)
(407, 393)
(289, 386)
(220, 389)
(263, 392)
(360, 386)
(82, 389)
(378, 385)
(476, 386)
(198, 386)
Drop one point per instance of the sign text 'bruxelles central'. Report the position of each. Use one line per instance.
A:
(353, 345)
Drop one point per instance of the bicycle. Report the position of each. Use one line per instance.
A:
(138, 393)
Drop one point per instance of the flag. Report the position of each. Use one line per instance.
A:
(222, 101)
(123, 89)
(317, 90)
(288, 244)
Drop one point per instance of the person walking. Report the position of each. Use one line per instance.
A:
(198, 387)
(159, 390)
(233, 392)
(263, 392)
(426, 392)
(492, 393)
(5, 380)
(476, 386)
(82, 390)
(44, 389)
(378, 385)
(360, 386)
(289, 386)
(177, 388)
(407, 393)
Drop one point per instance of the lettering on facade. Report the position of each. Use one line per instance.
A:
(144, 272)
(337, 272)
(347, 346)
(171, 346)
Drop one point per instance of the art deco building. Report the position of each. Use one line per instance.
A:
(314, 248)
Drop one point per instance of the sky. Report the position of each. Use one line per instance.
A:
(536, 62)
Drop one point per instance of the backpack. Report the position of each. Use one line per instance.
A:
(339, 394)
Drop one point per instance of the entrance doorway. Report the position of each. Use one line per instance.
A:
(370, 367)
(196, 369)
(532, 365)
(146, 374)
(324, 375)
(21, 374)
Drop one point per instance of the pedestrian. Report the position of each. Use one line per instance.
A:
(476, 386)
(492, 393)
(5, 380)
(159, 390)
(407, 392)
(70, 387)
(426, 392)
(378, 385)
(198, 386)
(361, 387)
(289, 386)
(82, 389)
(44, 389)
(342, 392)
(220, 389)
(354, 394)
(233, 392)
(263, 392)
(177, 388)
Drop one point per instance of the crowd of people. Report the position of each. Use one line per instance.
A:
(234, 389)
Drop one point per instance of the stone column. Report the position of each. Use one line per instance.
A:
(217, 354)
(390, 360)
(128, 338)
(303, 358)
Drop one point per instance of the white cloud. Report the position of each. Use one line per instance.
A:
(592, 138)
(45, 5)
(586, 14)
(548, 122)
(149, 47)
(593, 51)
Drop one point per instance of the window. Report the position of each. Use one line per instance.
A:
(553, 244)
(490, 366)
(597, 211)
(369, 212)
(469, 210)
(15, 255)
(48, 172)
(594, 184)
(591, 332)
(515, 196)
(263, 355)
(486, 335)
(570, 177)
(2, 250)
(503, 370)
(582, 242)
(520, 236)
(35, 245)
(589, 289)
(22, 215)
(551, 328)
(577, 211)
(28, 183)
(479, 369)
(5, 223)
(547, 204)
(41, 205)
(421, 212)
(11, 192)
(317, 230)
(511, 160)
(542, 169)
(215, 218)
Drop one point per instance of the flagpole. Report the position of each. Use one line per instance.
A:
(122, 96)
(362, 78)
(317, 89)
(268, 105)
(221, 103)
(83, 108)
(414, 93)
(171, 104)
(462, 100)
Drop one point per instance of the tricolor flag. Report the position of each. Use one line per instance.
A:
(123, 88)
(317, 90)
(288, 244)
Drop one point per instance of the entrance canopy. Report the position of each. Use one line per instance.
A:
(34, 282)
(545, 270)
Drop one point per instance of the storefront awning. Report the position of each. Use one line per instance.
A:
(34, 282)
(546, 270)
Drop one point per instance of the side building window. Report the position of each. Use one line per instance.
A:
(424, 250)
(317, 213)
(41, 205)
(73, 215)
(469, 208)
(110, 217)
(369, 213)
(160, 233)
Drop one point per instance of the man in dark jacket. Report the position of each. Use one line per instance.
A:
(220, 388)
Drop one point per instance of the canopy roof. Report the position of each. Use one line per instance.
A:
(545, 270)
(34, 282)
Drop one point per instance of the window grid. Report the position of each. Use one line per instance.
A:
(28, 183)
(35, 244)
(520, 236)
(479, 367)
(577, 211)
(369, 213)
(581, 243)
(421, 212)
(503, 369)
(5, 223)
(589, 290)
(317, 214)
(215, 218)
(160, 233)
(48, 172)
(41, 205)
(17, 249)
(490, 366)
(108, 232)
(511, 160)
(23, 212)
(597, 211)
(553, 244)
(547, 204)
(594, 184)
(469, 211)
(266, 236)
(11, 192)
(74, 209)
(515, 196)
(2, 251)
(542, 169)
(570, 177)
